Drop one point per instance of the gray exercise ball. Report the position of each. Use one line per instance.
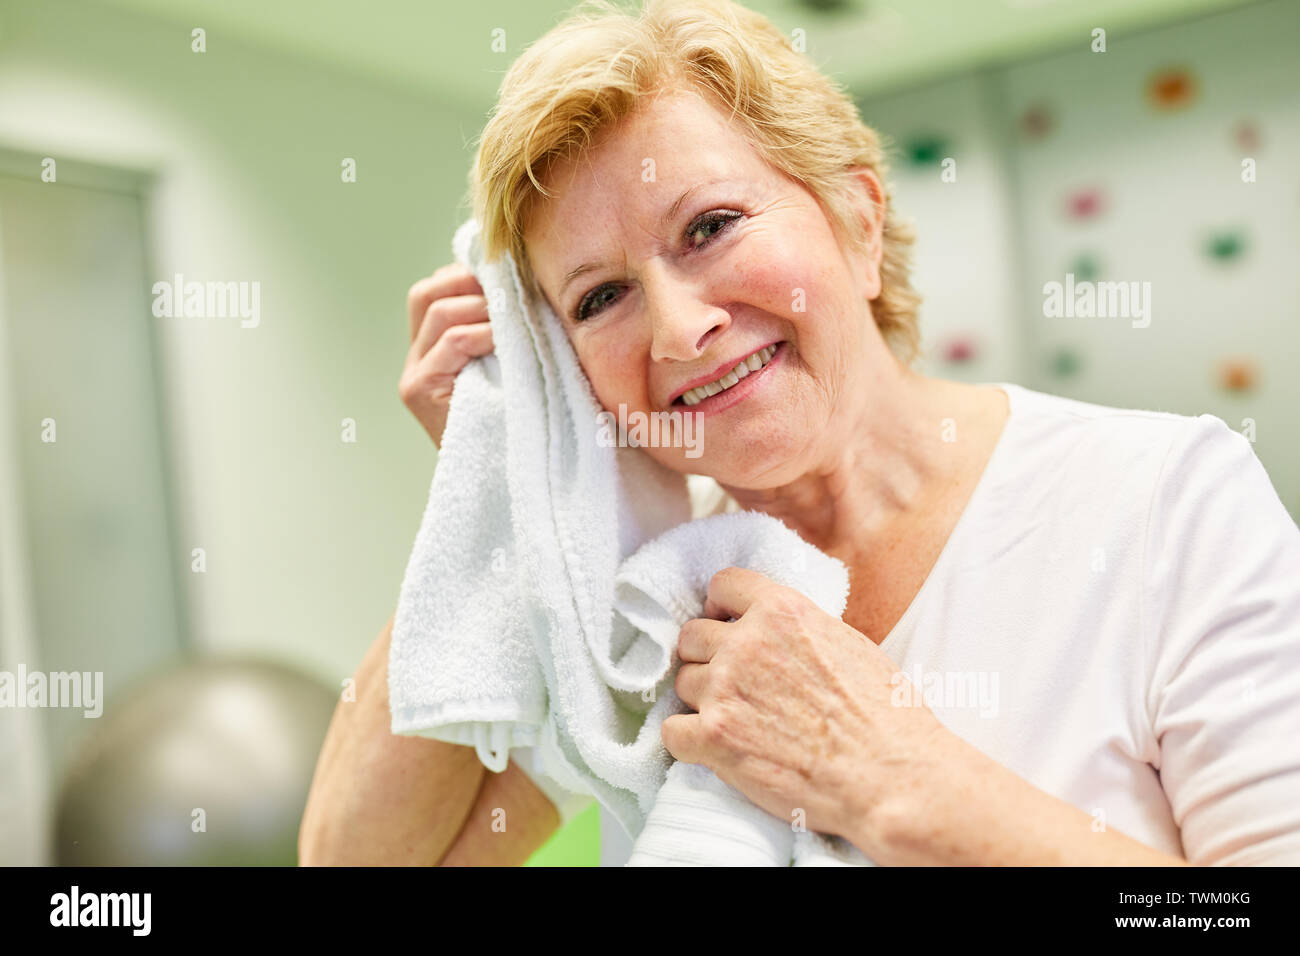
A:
(204, 764)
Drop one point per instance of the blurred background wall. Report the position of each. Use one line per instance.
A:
(201, 496)
(1120, 166)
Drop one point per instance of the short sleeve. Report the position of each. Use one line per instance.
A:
(568, 803)
(1221, 626)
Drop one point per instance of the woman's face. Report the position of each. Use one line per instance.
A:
(680, 290)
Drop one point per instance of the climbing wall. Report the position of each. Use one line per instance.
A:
(1166, 164)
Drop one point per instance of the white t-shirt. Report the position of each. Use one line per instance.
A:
(1116, 618)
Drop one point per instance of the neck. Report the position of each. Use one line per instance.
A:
(885, 461)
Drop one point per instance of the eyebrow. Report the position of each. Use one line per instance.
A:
(669, 213)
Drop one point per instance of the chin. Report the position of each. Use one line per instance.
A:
(753, 475)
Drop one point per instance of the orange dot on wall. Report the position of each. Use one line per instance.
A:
(1238, 374)
(1171, 89)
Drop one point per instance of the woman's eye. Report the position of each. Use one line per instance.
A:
(703, 231)
(592, 298)
(709, 226)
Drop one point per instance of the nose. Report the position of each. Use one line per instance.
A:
(681, 324)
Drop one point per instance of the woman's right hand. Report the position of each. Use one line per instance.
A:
(449, 326)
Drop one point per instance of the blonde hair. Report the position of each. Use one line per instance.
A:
(594, 68)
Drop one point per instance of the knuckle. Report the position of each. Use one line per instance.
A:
(463, 338)
(715, 727)
(410, 385)
(783, 601)
(719, 676)
(686, 631)
(455, 339)
(436, 307)
(414, 293)
(458, 333)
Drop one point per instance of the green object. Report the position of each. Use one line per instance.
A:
(1065, 363)
(926, 150)
(576, 844)
(1226, 246)
(1085, 268)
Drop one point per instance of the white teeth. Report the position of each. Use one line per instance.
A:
(751, 363)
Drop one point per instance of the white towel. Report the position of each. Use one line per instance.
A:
(547, 583)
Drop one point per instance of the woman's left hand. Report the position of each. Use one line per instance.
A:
(794, 710)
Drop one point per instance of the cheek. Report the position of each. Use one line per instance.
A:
(783, 276)
(765, 278)
(615, 366)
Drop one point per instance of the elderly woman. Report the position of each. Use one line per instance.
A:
(1073, 634)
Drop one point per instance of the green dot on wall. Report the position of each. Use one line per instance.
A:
(1225, 246)
(926, 150)
(1085, 267)
(1064, 363)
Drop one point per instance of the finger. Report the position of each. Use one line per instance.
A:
(444, 313)
(434, 373)
(681, 734)
(451, 279)
(690, 684)
(732, 590)
(699, 639)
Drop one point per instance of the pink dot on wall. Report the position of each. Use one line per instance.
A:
(959, 349)
(1246, 135)
(1085, 203)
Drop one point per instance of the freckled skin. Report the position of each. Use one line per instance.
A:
(675, 312)
(841, 443)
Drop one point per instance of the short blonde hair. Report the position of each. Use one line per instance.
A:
(594, 68)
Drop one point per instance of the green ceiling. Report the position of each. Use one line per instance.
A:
(442, 46)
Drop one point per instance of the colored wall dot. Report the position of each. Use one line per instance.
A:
(1226, 246)
(1085, 268)
(1037, 122)
(1237, 374)
(1064, 363)
(1172, 89)
(1246, 136)
(1085, 204)
(926, 150)
(959, 349)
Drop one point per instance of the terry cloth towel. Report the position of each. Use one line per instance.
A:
(546, 585)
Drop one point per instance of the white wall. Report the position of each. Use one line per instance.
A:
(964, 262)
(306, 536)
(1173, 179)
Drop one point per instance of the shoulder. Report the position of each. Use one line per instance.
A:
(1075, 452)
(1060, 423)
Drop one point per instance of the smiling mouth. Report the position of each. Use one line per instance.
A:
(751, 364)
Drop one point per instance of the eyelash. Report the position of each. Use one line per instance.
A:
(726, 219)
